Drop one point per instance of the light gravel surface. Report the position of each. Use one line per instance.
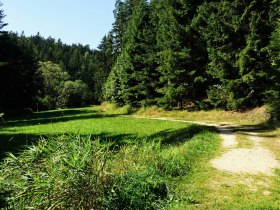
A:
(256, 160)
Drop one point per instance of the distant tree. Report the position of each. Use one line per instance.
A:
(76, 94)
(104, 59)
(53, 78)
(2, 24)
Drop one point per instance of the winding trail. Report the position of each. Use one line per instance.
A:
(254, 160)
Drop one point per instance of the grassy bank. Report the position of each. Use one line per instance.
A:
(85, 158)
(252, 117)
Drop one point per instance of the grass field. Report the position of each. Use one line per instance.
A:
(87, 158)
(98, 158)
(16, 132)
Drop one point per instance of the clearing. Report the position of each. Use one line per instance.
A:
(241, 173)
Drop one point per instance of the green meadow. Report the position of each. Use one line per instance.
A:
(91, 159)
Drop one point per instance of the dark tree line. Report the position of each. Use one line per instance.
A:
(17, 71)
(170, 53)
(175, 53)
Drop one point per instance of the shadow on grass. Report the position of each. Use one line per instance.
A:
(51, 117)
(17, 142)
(175, 137)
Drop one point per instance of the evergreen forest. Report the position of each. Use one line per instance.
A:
(175, 54)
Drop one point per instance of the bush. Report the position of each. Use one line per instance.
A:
(76, 94)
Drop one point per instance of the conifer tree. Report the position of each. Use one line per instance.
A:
(2, 24)
(134, 72)
(237, 35)
(105, 58)
(181, 57)
(273, 95)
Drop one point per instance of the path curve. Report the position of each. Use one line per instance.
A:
(255, 160)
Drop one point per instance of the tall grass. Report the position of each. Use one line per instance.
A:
(74, 172)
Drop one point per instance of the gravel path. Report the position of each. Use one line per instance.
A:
(256, 160)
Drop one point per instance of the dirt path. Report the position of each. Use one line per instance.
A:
(255, 160)
(241, 177)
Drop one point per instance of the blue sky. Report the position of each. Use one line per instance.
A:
(73, 21)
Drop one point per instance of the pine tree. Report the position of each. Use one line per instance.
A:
(134, 71)
(2, 24)
(273, 95)
(105, 58)
(120, 25)
(237, 35)
(181, 57)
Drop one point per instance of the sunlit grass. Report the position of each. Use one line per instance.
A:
(88, 158)
(252, 117)
(168, 160)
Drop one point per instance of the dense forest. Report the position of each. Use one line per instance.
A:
(171, 53)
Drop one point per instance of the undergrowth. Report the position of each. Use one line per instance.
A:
(74, 172)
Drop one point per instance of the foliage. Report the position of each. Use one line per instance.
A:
(53, 78)
(273, 95)
(77, 94)
(81, 63)
(132, 79)
(179, 50)
(113, 109)
(237, 35)
(57, 91)
(174, 53)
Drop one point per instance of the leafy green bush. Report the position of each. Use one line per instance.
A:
(76, 94)
(114, 109)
